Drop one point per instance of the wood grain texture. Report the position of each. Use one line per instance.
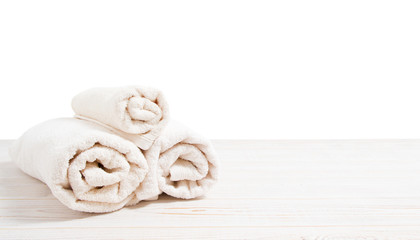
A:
(342, 189)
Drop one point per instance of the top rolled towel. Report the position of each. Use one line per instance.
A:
(134, 112)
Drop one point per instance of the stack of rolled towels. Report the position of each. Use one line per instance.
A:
(119, 149)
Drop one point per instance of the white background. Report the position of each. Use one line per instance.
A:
(230, 69)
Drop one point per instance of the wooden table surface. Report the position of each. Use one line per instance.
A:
(341, 189)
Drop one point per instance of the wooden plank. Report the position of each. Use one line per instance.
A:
(318, 189)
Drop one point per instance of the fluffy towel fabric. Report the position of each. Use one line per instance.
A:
(87, 167)
(183, 164)
(136, 113)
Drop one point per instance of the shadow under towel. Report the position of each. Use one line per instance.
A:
(86, 166)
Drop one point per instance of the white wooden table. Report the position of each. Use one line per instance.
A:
(341, 189)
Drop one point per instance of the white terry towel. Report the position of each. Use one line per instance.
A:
(136, 113)
(86, 166)
(182, 163)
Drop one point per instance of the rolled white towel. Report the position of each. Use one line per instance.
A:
(86, 166)
(136, 113)
(182, 163)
